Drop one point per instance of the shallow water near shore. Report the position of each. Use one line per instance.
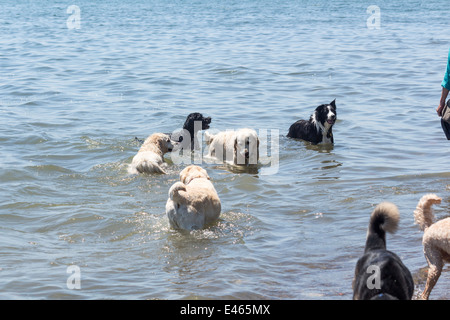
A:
(72, 102)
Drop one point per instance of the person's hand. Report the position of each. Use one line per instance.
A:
(440, 108)
(444, 95)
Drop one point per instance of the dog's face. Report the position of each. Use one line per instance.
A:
(326, 114)
(193, 172)
(246, 147)
(199, 118)
(163, 141)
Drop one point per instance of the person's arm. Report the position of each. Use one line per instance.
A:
(445, 88)
(444, 95)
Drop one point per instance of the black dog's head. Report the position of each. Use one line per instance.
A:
(326, 114)
(193, 118)
(194, 123)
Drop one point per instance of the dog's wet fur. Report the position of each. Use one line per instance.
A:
(194, 123)
(395, 280)
(187, 137)
(319, 128)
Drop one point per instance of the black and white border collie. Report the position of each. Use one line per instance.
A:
(318, 129)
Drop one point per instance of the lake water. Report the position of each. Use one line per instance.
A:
(73, 98)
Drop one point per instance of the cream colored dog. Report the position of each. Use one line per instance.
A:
(193, 202)
(150, 157)
(436, 240)
(239, 147)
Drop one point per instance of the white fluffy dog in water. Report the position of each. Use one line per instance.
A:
(193, 202)
(240, 147)
(150, 157)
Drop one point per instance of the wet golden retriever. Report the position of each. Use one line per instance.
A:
(150, 157)
(193, 202)
(240, 147)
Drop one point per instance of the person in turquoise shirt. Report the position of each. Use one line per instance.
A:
(445, 88)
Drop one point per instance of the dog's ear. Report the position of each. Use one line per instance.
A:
(208, 137)
(186, 174)
(206, 173)
(162, 142)
(191, 118)
(333, 103)
(183, 176)
(257, 149)
(235, 153)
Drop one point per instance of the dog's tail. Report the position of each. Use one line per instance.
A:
(423, 215)
(178, 194)
(384, 218)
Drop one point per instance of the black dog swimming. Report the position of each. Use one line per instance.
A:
(187, 138)
(194, 123)
(319, 128)
(380, 274)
